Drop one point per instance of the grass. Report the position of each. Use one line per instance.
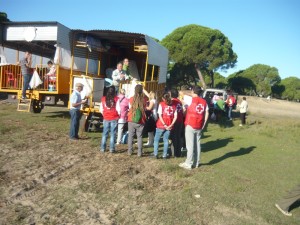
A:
(244, 171)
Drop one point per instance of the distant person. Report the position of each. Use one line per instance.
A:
(124, 105)
(136, 119)
(175, 135)
(75, 103)
(126, 68)
(51, 75)
(243, 110)
(195, 121)
(110, 109)
(151, 114)
(167, 115)
(288, 200)
(26, 70)
(230, 102)
(117, 76)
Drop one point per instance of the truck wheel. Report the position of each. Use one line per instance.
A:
(37, 106)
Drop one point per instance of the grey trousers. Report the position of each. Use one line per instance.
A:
(193, 146)
(291, 197)
(138, 129)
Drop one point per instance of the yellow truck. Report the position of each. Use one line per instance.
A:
(88, 56)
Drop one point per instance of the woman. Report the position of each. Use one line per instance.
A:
(110, 109)
(136, 119)
(124, 105)
(151, 114)
(167, 114)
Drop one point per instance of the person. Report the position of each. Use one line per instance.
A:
(136, 119)
(51, 75)
(176, 131)
(230, 101)
(118, 75)
(196, 117)
(75, 104)
(26, 70)
(110, 109)
(126, 67)
(151, 114)
(288, 200)
(167, 115)
(124, 105)
(243, 110)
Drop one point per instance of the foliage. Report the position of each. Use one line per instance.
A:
(257, 79)
(194, 44)
(292, 88)
(3, 17)
(220, 81)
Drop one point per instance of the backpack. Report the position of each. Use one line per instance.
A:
(138, 116)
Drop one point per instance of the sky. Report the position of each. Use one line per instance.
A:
(261, 31)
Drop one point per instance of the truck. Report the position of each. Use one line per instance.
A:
(87, 56)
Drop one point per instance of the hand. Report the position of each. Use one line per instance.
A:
(83, 101)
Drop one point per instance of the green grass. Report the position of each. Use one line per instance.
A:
(244, 171)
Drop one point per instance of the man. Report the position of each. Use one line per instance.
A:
(243, 110)
(118, 75)
(195, 121)
(75, 102)
(230, 103)
(25, 64)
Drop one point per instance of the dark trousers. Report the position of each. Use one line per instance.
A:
(75, 121)
(175, 137)
(243, 118)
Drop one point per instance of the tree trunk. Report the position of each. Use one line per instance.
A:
(200, 76)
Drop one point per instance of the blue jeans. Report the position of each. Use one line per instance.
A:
(75, 120)
(229, 112)
(109, 126)
(166, 134)
(26, 81)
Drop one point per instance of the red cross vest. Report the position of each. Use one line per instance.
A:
(110, 113)
(195, 113)
(167, 115)
(179, 109)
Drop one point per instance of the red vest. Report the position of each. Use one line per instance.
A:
(195, 113)
(167, 115)
(143, 120)
(179, 108)
(110, 113)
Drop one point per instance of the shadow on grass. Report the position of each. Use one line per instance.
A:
(216, 144)
(58, 114)
(240, 152)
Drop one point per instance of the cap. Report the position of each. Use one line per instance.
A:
(78, 85)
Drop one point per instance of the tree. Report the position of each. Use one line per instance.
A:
(263, 76)
(292, 88)
(194, 44)
(3, 17)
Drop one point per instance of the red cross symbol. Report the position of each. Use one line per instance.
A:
(169, 111)
(199, 108)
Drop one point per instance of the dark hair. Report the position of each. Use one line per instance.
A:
(110, 96)
(50, 62)
(174, 93)
(197, 90)
(244, 98)
(167, 98)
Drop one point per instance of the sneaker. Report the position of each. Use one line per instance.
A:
(23, 97)
(286, 213)
(241, 125)
(102, 150)
(185, 166)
